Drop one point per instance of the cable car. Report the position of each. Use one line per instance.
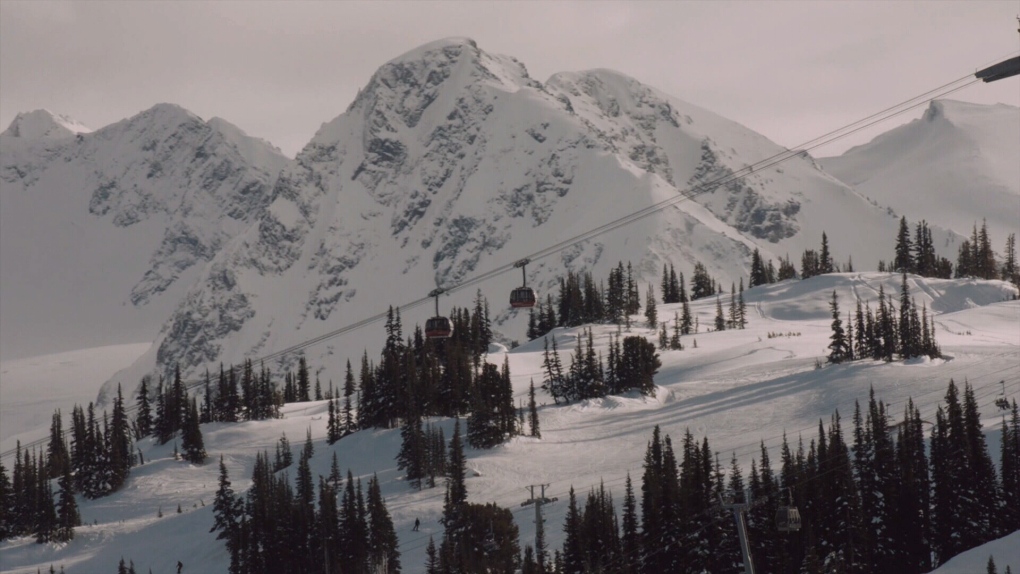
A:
(438, 327)
(788, 517)
(523, 296)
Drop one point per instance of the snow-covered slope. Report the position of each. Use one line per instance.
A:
(1004, 551)
(44, 124)
(101, 233)
(33, 387)
(738, 388)
(452, 162)
(956, 165)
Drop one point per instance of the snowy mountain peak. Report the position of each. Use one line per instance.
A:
(954, 166)
(452, 161)
(131, 213)
(424, 85)
(954, 111)
(44, 124)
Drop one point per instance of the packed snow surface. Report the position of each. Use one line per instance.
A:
(739, 388)
(1005, 551)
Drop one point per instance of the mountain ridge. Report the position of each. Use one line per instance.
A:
(452, 161)
(955, 166)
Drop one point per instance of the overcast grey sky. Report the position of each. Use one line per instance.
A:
(789, 70)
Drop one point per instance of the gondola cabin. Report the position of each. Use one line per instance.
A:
(788, 519)
(523, 297)
(438, 328)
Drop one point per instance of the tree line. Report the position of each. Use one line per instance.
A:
(881, 335)
(876, 501)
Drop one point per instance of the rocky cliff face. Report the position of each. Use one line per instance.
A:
(452, 162)
(98, 226)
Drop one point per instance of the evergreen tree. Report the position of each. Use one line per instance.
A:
(825, 258)
(413, 449)
(637, 365)
(207, 400)
(349, 422)
(57, 457)
(573, 547)
(630, 541)
(685, 319)
(701, 282)
(119, 448)
(838, 342)
(456, 491)
(432, 559)
(1010, 270)
(1010, 469)
(741, 307)
(67, 508)
(758, 273)
(651, 315)
(534, 429)
(303, 381)
(786, 269)
(7, 508)
(383, 553)
(720, 321)
(191, 440)
(333, 424)
(143, 420)
(904, 259)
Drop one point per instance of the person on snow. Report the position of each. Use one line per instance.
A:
(417, 523)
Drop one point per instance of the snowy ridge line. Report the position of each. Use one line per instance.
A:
(683, 195)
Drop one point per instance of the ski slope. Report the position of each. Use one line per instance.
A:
(737, 387)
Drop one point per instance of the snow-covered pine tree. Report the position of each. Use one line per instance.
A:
(143, 420)
(533, 423)
(413, 449)
(903, 261)
(838, 344)
(191, 436)
(651, 315)
(720, 320)
(67, 508)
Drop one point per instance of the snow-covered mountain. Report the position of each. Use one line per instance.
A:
(101, 232)
(452, 162)
(44, 124)
(956, 165)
